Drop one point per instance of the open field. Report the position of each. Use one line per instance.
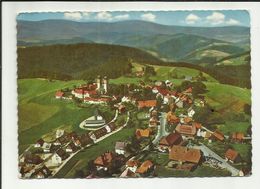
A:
(40, 114)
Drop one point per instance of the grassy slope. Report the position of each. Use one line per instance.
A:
(162, 73)
(40, 113)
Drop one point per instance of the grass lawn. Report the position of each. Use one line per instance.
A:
(201, 171)
(157, 158)
(234, 126)
(80, 160)
(226, 94)
(244, 150)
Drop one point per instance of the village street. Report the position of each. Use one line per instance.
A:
(209, 153)
(161, 132)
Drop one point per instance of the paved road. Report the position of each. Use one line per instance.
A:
(96, 141)
(161, 132)
(208, 152)
(161, 128)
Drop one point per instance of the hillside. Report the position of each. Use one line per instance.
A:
(64, 29)
(170, 43)
(78, 60)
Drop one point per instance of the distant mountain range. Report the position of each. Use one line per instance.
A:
(200, 45)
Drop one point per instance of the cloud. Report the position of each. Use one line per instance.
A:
(73, 15)
(148, 16)
(192, 19)
(232, 21)
(85, 14)
(216, 18)
(122, 17)
(104, 16)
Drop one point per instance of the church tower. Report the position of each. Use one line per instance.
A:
(98, 81)
(105, 83)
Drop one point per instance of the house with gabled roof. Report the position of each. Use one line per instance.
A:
(59, 94)
(183, 154)
(142, 133)
(104, 161)
(42, 172)
(168, 141)
(145, 167)
(188, 131)
(62, 154)
(132, 165)
(217, 135)
(120, 147)
(232, 156)
(85, 140)
(146, 103)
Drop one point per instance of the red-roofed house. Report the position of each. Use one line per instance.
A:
(104, 161)
(186, 130)
(59, 94)
(146, 103)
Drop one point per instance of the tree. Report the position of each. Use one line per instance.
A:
(149, 70)
(80, 174)
(247, 109)
(198, 88)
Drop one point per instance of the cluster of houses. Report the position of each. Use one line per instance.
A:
(50, 155)
(93, 93)
(185, 129)
(128, 168)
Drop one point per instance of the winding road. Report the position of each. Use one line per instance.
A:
(209, 153)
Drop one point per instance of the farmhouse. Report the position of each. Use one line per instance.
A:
(85, 139)
(62, 154)
(142, 133)
(112, 126)
(120, 147)
(232, 156)
(132, 165)
(104, 161)
(42, 172)
(146, 104)
(172, 118)
(39, 143)
(82, 92)
(184, 154)
(170, 140)
(145, 167)
(237, 137)
(71, 147)
(100, 132)
(217, 135)
(186, 130)
(59, 94)
(32, 159)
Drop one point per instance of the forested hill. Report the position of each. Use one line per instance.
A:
(78, 60)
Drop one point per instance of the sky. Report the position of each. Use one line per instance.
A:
(183, 18)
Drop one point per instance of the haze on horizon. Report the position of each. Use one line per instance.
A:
(178, 18)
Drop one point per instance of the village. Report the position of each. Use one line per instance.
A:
(166, 126)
